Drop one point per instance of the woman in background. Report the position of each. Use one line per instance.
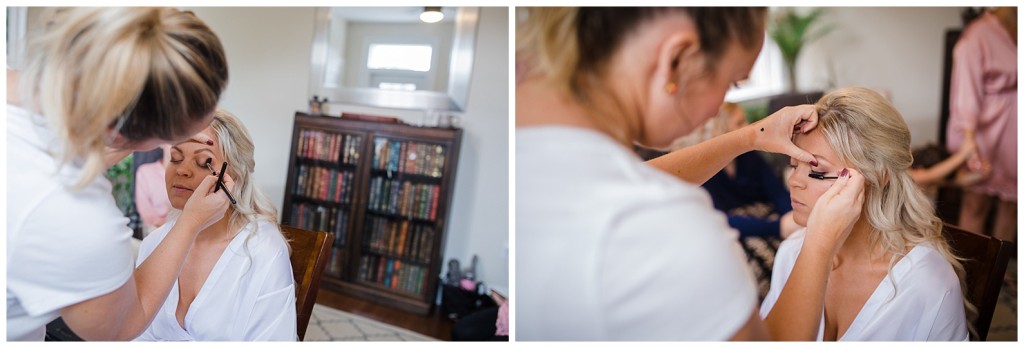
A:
(747, 190)
(236, 284)
(151, 193)
(983, 106)
(894, 278)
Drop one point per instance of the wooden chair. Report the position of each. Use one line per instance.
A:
(310, 253)
(985, 265)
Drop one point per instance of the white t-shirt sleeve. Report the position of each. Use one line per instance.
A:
(694, 285)
(74, 246)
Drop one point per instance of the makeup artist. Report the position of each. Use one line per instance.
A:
(99, 84)
(644, 252)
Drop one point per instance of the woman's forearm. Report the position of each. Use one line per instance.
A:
(123, 314)
(940, 171)
(796, 316)
(157, 274)
(698, 163)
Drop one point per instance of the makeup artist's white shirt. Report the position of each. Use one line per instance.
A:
(64, 246)
(610, 248)
(248, 296)
(924, 303)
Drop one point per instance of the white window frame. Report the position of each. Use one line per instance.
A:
(17, 29)
(767, 78)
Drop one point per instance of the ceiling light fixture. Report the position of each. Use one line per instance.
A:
(431, 14)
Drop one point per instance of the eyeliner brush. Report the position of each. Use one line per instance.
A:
(220, 178)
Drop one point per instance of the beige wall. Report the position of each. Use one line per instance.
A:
(897, 51)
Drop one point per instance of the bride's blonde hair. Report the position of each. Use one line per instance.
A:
(867, 132)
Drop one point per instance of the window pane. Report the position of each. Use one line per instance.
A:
(395, 86)
(399, 57)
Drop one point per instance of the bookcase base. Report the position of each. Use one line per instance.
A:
(384, 298)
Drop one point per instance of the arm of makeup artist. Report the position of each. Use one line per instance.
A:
(829, 224)
(698, 163)
(802, 299)
(124, 313)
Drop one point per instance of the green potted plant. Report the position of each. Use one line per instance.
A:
(791, 31)
(120, 176)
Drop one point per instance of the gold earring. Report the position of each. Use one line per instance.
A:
(671, 88)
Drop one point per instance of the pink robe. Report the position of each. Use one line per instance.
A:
(151, 193)
(983, 96)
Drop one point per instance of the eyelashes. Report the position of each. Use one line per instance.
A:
(201, 162)
(821, 176)
(815, 174)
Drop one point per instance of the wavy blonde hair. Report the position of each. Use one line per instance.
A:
(239, 152)
(143, 72)
(866, 131)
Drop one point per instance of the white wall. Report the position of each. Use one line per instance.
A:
(897, 51)
(479, 220)
(268, 53)
(268, 50)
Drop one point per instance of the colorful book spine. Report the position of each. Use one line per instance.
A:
(436, 194)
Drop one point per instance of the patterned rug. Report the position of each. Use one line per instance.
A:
(329, 324)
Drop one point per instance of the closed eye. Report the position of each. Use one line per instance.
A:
(201, 162)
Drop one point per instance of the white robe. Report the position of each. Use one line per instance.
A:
(248, 296)
(925, 305)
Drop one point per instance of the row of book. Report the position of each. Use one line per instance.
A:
(403, 239)
(392, 273)
(330, 147)
(316, 217)
(408, 157)
(404, 198)
(326, 184)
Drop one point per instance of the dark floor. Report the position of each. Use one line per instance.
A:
(433, 325)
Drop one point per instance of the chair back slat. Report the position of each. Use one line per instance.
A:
(310, 253)
(984, 266)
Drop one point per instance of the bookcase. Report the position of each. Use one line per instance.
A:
(383, 190)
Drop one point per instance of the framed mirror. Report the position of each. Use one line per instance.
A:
(388, 57)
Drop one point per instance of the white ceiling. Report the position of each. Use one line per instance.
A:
(387, 14)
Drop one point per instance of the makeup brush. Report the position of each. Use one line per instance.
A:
(821, 176)
(220, 178)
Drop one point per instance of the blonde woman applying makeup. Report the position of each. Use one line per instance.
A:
(613, 248)
(101, 83)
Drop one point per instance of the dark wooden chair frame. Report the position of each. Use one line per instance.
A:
(310, 253)
(985, 265)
